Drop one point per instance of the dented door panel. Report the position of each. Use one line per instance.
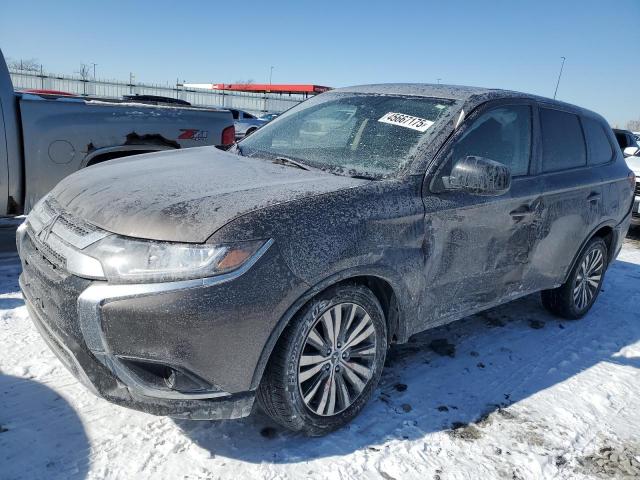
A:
(480, 249)
(572, 209)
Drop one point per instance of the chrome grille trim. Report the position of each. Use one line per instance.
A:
(60, 238)
(52, 256)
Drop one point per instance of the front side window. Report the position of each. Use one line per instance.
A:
(600, 150)
(502, 134)
(563, 144)
(347, 133)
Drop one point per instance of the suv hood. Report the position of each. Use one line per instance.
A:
(185, 196)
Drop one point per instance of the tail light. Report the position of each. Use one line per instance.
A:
(228, 135)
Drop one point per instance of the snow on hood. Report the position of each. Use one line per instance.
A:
(634, 164)
(186, 195)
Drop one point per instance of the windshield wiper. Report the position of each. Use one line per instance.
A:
(289, 162)
(364, 177)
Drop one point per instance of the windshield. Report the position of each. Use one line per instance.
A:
(347, 133)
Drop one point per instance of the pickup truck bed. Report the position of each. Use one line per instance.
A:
(44, 138)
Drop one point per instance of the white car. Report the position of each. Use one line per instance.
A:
(245, 123)
(634, 164)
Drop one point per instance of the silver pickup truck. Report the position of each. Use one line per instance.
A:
(44, 138)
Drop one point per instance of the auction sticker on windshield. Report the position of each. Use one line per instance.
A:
(407, 121)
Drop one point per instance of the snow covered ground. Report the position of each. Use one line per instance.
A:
(510, 393)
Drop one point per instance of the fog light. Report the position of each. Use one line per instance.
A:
(183, 382)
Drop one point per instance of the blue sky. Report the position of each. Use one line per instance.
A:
(506, 44)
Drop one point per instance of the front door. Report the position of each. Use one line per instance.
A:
(479, 248)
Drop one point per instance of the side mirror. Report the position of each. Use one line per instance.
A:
(479, 176)
(631, 151)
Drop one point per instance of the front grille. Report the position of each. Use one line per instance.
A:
(637, 192)
(55, 233)
(50, 291)
(54, 258)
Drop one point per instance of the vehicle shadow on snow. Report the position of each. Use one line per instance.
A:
(43, 437)
(485, 363)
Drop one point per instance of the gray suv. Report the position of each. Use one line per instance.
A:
(191, 283)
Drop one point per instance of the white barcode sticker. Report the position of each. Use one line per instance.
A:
(407, 121)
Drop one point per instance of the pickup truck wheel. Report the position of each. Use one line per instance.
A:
(574, 298)
(250, 131)
(327, 363)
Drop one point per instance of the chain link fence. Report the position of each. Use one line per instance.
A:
(256, 103)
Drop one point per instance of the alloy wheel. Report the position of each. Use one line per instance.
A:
(337, 359)
(588, 279)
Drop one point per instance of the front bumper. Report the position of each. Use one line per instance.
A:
(118, 340)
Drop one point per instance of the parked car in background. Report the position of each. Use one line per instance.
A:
(245, 123)
(634, 164)
(637, 135)
(190, 283)
(268, 116)
(627, 142)
(45, 136)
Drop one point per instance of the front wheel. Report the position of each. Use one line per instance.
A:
(327, 363)
(574, 298)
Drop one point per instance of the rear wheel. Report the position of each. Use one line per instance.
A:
(574, 298)
(327, 362)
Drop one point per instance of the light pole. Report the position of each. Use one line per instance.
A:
(559, 76)
(270, 74)
(438, 80)
(94, 70)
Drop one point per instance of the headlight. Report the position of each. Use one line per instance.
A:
(127, 260)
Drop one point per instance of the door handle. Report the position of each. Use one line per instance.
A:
(521, 212)
(593, 197)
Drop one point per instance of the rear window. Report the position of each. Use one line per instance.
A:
(600, 150)
(563, 144)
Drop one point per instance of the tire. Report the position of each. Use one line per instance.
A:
(301, 400)
(574, 298)
(250, 131)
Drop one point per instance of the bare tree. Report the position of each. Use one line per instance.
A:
(244, 82)
(28, 65)
(633, 125)
(84, 71)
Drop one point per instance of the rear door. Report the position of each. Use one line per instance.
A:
(481, 247)
(572, 191)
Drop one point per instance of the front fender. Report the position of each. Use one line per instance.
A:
(406, 308)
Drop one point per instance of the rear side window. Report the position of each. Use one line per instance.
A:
(502, 134)
(247, 115)
(563, 144)
(600, 150)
